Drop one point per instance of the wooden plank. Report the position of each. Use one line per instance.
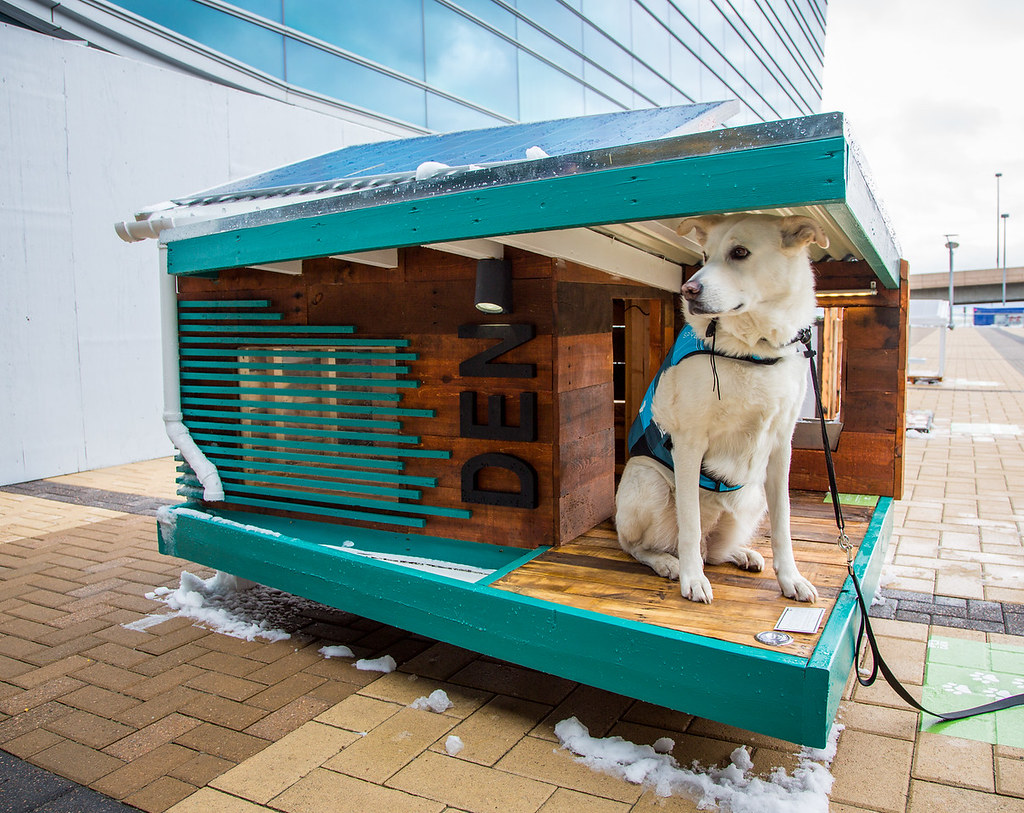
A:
(593, 573)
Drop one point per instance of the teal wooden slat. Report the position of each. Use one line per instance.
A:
(388, 507)
(305, 485)
(351, 409)
(267, 346)
(362, 516)
(223, 303)
(338, 460)
(234, 316)
(331, 381)
(349, 423)
(383, 451)
(344, 395)
(262, 428)
(283, 329)
(371, 355)
(382, 369)
(329, 465)
(768, 177)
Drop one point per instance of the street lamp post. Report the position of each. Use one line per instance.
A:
(998, 207)
(1005, 217)
(951, 245)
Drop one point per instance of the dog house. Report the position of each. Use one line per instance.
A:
(400, 376)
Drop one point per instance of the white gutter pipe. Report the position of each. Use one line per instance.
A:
(213, 489)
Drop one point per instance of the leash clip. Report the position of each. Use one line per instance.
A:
(844, 544)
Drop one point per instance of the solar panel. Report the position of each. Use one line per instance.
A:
(494, 144)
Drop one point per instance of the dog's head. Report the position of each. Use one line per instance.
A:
(752, 264)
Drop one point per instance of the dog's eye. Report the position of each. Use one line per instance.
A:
(704, 259)
(739, 253)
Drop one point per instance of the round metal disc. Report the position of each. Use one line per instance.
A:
(774, 638)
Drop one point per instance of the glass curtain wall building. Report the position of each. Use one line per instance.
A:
(440, 65)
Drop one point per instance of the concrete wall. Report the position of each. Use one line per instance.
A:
(86, 139)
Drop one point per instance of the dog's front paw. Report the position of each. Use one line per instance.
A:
(696, 588)
(797, 587)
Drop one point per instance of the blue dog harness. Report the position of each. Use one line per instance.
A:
(650, 440)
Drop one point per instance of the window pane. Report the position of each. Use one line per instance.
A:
(393, 38)
(470, 62)
(248, 43)
(355, 84)
(546, 93)
(446, 116)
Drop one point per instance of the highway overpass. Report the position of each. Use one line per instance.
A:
(970, 287)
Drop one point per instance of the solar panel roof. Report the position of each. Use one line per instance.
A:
(491, 145)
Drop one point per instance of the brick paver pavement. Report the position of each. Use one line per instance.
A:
(180, 718)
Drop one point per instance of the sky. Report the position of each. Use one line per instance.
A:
(933, 92)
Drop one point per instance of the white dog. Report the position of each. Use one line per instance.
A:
(721, 413)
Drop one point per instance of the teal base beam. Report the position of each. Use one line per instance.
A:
(766, 691)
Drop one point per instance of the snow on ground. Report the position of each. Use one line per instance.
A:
(438, 702)
(227, 605)
(731, 788)
(453, 745)
(339, 651)
(382, 664)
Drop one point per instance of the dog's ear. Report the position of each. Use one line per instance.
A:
(799, 231)
(703, 225)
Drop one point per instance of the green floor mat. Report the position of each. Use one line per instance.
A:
(960, 674)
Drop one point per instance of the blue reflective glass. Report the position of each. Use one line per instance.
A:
(611, 17)
(446, 116)
(554, 18)
(355, 84)
(608, 54)
(596, 103)
(650, 41)
(269, 9)
(470, 62)
(492, 14)
(391, 35)
(545, 93)
(246, 42)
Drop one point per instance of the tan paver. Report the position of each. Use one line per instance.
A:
(471, 787)
(309, 794)
(954, 761)
(284, 763)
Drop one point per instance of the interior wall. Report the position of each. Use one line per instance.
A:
(88, 139)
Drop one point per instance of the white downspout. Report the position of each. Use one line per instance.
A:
(213, 489)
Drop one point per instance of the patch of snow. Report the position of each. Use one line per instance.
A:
(533, 153)
(731, 788)
(664, 745)
(339, 651)
(147, 621)
(229, 605)
(428, 169)
(440, 567)
(453, 745)
(383, 664)
(438, 702)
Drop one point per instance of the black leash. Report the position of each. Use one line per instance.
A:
(878, 666)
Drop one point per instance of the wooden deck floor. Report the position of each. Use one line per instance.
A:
(594, 573)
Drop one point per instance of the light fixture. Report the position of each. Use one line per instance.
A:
(494, 286)
(870, 291)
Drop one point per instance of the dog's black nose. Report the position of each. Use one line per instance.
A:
(692, 290)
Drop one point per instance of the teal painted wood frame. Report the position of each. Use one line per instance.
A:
(760, 690)
(814, 172)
